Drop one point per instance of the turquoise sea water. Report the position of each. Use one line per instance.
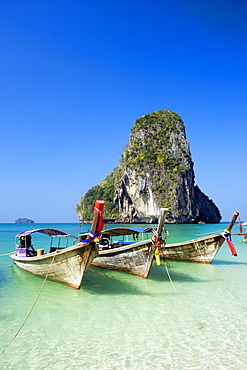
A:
(119, 321)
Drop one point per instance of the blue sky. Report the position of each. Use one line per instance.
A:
(75, 75)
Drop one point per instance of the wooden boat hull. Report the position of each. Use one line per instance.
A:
(135, 259)
(197, 250)
(66, 266)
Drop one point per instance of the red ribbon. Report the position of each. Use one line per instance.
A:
(232, 248)
(227, 237)
(98, 210)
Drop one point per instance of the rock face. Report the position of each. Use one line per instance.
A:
(156, 170)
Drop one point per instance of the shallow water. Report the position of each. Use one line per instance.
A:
(198, 320)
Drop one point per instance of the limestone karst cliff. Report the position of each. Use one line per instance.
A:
(156, 170)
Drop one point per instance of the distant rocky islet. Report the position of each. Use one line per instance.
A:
(24, 220)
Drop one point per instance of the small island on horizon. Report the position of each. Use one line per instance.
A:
(24, 220)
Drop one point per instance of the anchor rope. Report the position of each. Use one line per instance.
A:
(5, 254)
(222, 285)
(203, 260)
(31, 309)
(219, 232)
(212, 233)
(203, 324)
(199, 325)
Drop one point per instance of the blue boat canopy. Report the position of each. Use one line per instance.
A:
(50, 232)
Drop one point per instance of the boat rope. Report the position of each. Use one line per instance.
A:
(31, 309)
(212, 233)
(220, 231)
(226, 288)
(5, 254)
(203, 259)
(239, 234)
(199, 325)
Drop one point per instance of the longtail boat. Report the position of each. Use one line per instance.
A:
(63, 265)
(133, 257)
(199, 250)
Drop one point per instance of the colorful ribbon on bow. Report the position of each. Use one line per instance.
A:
(93, 237)
(98, 210)
(158, 242)
(228, 238)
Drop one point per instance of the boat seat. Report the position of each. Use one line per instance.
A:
(104, 241)
(54, 249)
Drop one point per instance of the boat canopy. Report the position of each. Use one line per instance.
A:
(50, 232)
(119, 231)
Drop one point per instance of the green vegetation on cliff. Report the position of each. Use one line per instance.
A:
(160, 120)
(105, 190)
(151, 143)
